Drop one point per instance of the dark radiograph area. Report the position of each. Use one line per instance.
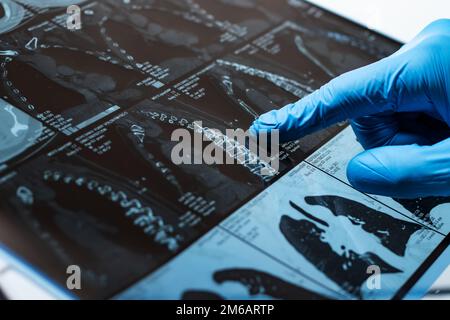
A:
(257, 283)
(87, 175)
(72, 211)
(67, 88)
(166, 39)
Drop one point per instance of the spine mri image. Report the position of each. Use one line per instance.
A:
(86, 176)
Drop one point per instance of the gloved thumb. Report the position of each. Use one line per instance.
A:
(403, 171)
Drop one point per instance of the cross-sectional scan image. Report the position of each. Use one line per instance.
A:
(115, 155)
(330, 232)
(346, 48)
(222, 271)
(20, 135)
(50, 74)
(196, 192)
(167, 39)
(73, 210)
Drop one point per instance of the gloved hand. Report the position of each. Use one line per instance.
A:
(400, 111)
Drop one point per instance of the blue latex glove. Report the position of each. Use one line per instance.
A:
(400, 108)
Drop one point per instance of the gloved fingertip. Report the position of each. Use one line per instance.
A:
(253, 130)
(266, 122)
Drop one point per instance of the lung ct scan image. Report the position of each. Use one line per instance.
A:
(86, 170)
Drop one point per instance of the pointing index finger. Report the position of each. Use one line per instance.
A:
(361, 92)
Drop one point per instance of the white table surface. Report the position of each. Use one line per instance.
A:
(399, 19)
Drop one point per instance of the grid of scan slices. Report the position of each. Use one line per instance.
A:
(133, 73)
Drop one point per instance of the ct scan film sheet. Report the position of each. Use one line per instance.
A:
(87, 179)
